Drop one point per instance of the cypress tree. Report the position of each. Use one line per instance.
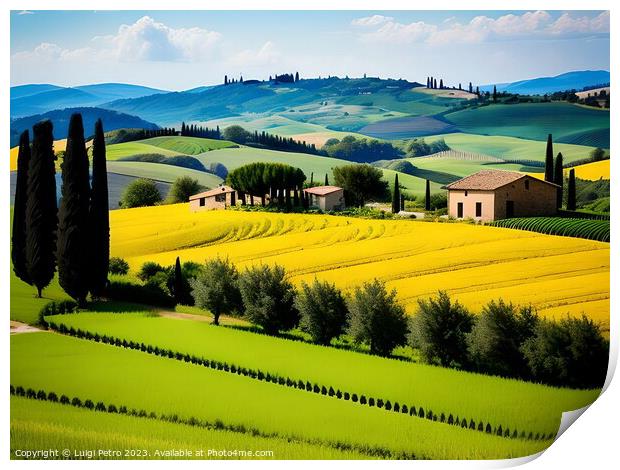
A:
(41, 211)
(99, 220)
(558, 178)
(427, 199)
(396, 197)
(178, 282)
(549, 160)
(441, 83)
(73, 243)
(571, 202)
(434, 83)
(494, 93)
(326, 180)
(18, 240)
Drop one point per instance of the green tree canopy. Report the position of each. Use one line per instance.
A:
(361, 183)
(140, 193)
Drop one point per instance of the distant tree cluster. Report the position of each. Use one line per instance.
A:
(282, 183)
(360, 150)
(75, 238)
(230, 81)
(129, 135)
(192, 130)
(239, 135)
(419, 147)
(431, 83)
(285, 78)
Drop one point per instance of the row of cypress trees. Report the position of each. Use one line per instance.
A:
(75, 237)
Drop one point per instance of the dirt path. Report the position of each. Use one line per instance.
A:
(224, 320)
(19, 327)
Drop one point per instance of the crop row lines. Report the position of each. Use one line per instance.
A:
(387, 405)
(219, 425)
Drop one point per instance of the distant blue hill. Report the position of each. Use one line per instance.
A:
(566, 81)
(60, 119)
(36, 99)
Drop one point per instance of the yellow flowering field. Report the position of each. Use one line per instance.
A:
(558, 275)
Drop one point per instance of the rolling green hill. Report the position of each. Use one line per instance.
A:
(126, 149)
(188, 145)
(567, 122)
(162, 172)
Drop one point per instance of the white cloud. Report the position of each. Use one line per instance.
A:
(483, 28)
(373, 20)
(144, 40)
(25, 12)
(567, 24)
(268, 54)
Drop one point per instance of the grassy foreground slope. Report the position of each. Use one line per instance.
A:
(475, 264)
(43, 425)
(113, 375)
(513, 403)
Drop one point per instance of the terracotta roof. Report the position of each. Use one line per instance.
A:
(323, 190)
(489, 180)
(213, 192)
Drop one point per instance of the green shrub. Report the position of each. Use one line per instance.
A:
(118, 266)
(216, 288)
(322, 310)
(268, 298)
(140, 193)
(376, 318)
(148, 294)
(182, 188)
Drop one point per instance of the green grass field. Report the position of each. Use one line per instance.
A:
(568, 123)
(43, 425)
(126, 149)
(511, 148)
(162, 172)
(188, 145)
(114, 375)
(507, 402)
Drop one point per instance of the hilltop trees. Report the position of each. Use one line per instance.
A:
(558, 178)
(571, 201)
(360, 183)
(18, 239)
(419, 147)
(360, 150)
(396, 196)
(439, 330)
(192, 130)
(41, 210)
(99, 219)
(216, 289)
(376, 318)
(549, 160)
(73, 233)
(268, 298)
(323, 311)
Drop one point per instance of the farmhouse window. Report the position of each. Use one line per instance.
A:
(527, 184)
(202, 202)
(220, 198)
(465, 192)
(478, 209)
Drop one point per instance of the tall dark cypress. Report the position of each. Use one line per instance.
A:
(99, 220)
(427, 199)
(18, 240)
(73, 233)
(571, 201)
(558, 178)
(41, 210)
(326, 180)
(178, 282)
(549, 160)
(396, 196)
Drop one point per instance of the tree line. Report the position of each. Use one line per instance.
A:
(240, 135)
(360, 150)
(503, 339)
(73, 238)
(192, 130)
(554, 173)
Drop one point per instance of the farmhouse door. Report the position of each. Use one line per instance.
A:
(459, 210)
(510, 209)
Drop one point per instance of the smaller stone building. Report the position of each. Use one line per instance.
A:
(326, 198)
(217, 198)
(496, 194)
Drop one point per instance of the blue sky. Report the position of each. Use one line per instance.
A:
(178, 50)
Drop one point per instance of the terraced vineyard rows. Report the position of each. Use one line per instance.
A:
(583, 228)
